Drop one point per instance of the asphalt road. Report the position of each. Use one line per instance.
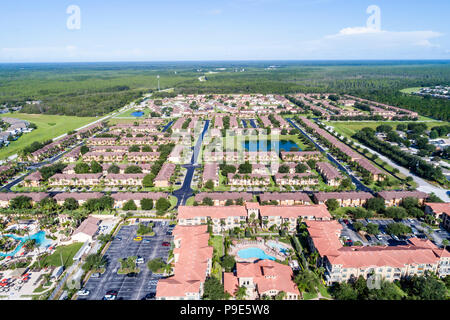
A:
(423, 185)
(359, 185)
(130, 288)
(186, 191)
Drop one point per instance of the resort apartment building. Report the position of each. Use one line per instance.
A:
(104, 156)
(377, 174)
(439, 211)
(288, 216)
(329, 173)
(211, 172)
(300, 156)
(101, 141)
(220, 198)
(128, 179)
(262, 278)
(88, 179)
(163, 178)
(142, 141)
(389, 262)
(285, 199)
(235, 179)
(296, 179)
(221, 218)
(192, 265)
(120, 198)
(395, 198)
(6, 197)
(230, 217)
(345, 199)
(80, 197)
(143, 156)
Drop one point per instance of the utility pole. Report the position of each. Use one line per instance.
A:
(159, 89)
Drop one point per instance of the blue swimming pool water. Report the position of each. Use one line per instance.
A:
(137, 114)
(39, 237)
(254, 253)
(263, 145)
(278, 246)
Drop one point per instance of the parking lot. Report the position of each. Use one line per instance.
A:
(383, 238)
(123, 246)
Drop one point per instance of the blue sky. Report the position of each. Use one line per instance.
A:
(171, 30)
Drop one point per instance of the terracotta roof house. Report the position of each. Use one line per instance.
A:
(288, 216)
(143, 156)
(80, 197)
(6, 197)
(86, 231)
(394, 198)
(439, 210)
(164, 175)
(296, 179)
(220, 198)
(300, 155)
(127, 179)
(222, 218)
(192, 264)
(330, 174)
(389, 262)
(211, 172)
(285, 198)
(262, 278)
(33, 180)
(88, 179)
(120, 198)
(345, 199)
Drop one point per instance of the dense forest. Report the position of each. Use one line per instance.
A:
(98, 88)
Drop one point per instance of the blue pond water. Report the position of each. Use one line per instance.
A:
(39, 237)
(137, 114)
(263, 145)
(254, 253)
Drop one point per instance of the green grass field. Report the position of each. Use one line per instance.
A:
(410, 90)
(350, 128)
(66, 252)
(48, 127)
(128, 114)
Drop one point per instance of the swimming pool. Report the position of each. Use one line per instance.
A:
(41, 241)
(254, 253)
(137, 114)
(278, 246)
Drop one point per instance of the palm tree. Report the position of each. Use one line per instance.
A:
(241, 293)
(307, 281)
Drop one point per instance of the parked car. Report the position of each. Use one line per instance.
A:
(137, 239)
(150, 296)
(166, 244)
(83, 292)
(110, 295)
(95, 275)
(139, 260)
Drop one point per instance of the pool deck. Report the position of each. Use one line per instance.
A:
(260, 244)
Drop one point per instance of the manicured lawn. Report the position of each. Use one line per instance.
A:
(410, 90)
(350, 128)
(66, 252)
(128, 114)
(217, 244)
(48, 127)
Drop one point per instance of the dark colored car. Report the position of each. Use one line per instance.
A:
(132, 275)
(112, 293)
(166, 244)
(150, 296)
